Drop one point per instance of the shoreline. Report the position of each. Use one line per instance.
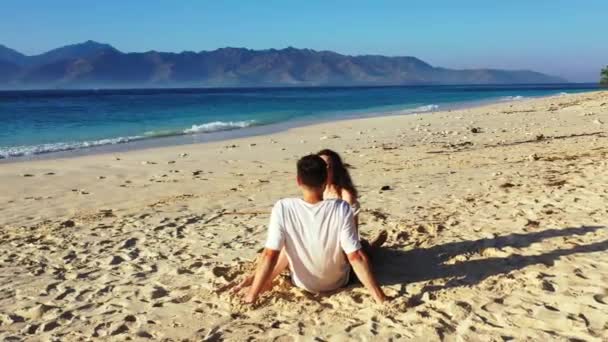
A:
(147, 143)
(496, 220)
(223, 89)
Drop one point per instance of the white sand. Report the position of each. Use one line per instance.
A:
(493, 236)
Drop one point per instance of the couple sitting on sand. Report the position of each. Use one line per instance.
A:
(316, 236)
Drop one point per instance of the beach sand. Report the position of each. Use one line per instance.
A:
(496, 216)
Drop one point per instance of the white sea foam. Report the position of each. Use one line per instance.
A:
(512, 98)
(421, 109)
(20, 151)
(427, 108)
(218, 126)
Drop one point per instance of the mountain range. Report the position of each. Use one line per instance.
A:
(96, 65)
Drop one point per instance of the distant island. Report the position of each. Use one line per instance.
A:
(96, 65)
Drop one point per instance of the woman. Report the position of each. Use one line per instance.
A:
(340, 185)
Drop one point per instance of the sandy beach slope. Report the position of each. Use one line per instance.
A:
(497, 220)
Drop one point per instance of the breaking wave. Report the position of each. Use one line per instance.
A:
(219, 126)
(20, 151)
(512, 98)
(421, 109)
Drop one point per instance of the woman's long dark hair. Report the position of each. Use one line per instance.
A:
(342, 178)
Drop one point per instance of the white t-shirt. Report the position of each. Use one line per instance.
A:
(315, 237)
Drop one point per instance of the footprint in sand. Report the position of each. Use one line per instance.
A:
(182, 299)
(548, 286)
(122, 329)
(105, 329)
(144, 334)
(182, 270)
(497, 305)
(65, 293)
(12, 318)
(357, 298)
(579, 273)
(601, 298)
(129, 243)
(196, 264)
(158, 292)
(353, 326)
(223, 272)
(116, 260)
(50, 326)
(84, 295)
(69, 257)
(134, 254)
(30, 329)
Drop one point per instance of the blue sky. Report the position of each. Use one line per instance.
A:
(565, 38)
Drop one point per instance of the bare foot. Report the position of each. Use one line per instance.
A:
(244, 283)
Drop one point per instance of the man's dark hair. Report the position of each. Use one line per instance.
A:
(312, 171)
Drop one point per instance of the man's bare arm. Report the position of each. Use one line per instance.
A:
(362, 268)
(263, 273)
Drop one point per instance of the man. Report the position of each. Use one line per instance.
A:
(316, 238)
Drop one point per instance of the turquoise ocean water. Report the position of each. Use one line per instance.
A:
(42, 122)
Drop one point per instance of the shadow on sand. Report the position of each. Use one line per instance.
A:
(396, 266)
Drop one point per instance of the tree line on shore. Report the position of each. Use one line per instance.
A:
(604, 78)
